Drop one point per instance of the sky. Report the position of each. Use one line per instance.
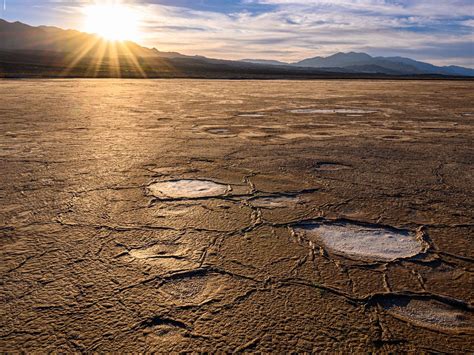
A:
(437, 31)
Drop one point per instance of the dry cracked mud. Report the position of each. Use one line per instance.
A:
(267, 216)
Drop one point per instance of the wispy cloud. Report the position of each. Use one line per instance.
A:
(294, 29)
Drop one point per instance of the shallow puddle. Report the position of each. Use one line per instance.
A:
(331, 111)
(430, 313)
(363, 242)
(187, 188)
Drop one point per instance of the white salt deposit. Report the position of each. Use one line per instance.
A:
(331, 111)
(374, 243)
(187, 189)
(430, 313)
(275, 201)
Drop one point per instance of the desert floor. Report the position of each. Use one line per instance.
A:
(180, 215)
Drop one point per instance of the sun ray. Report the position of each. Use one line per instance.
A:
(76, 56)
(131, 56)
(95, 64)
(114, 59)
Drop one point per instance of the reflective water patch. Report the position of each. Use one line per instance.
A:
(363, 242)
(187, 188)
(430, 313)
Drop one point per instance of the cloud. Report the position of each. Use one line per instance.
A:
(439, 31)
(299, 28)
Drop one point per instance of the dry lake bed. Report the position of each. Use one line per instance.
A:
(188, 215)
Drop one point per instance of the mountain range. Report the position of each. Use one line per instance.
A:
(27, 51)
(364, 63)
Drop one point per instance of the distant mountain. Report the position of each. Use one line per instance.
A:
(364, 63)
(427, 67)
(27, 51)
(18, 36)
(264, 62)
(338, 60)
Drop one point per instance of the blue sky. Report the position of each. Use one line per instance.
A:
(438, 31)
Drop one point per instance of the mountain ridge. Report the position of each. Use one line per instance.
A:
(51, 51)
(388, 65)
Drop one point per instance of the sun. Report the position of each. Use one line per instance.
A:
(114, 22)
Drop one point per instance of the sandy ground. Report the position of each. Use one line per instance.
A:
(141, 216)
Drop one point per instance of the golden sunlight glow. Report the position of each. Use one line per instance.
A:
(112, 21)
